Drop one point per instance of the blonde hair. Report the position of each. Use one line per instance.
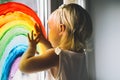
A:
(78, 26)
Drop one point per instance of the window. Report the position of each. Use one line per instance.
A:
(41, 7)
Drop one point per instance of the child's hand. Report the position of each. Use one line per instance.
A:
(42, 39)
(39, 33)
(33, 40)
(38, 29)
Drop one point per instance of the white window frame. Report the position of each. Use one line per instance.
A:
(43, 11)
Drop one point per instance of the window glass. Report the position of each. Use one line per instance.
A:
(16, 74)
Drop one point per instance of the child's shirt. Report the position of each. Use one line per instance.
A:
(72, 66)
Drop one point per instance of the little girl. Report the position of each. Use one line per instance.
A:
(64, 59)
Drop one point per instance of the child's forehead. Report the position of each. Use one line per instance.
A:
(49, 19)
(53, 17)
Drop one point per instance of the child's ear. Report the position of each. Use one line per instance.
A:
(62, 28)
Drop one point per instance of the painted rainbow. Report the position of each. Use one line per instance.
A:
(16, 20)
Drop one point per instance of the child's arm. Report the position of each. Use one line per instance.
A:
(31, 63)
(38, 63)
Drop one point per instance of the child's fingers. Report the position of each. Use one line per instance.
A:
(28, 36)
(32, 35)
(37, 39)
(37, 28)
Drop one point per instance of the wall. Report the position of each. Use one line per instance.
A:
(104, 61)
